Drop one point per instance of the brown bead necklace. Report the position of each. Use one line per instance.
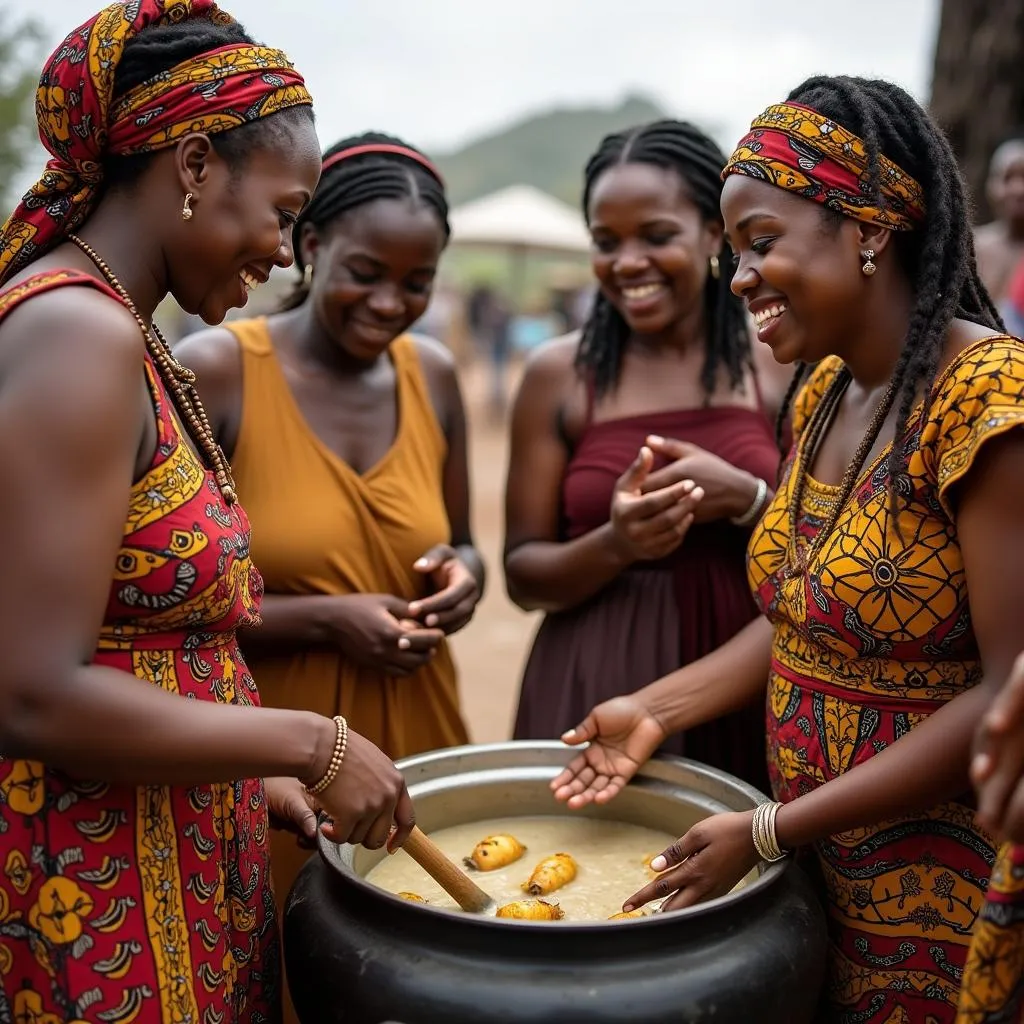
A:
(179, 380)
(798, 561)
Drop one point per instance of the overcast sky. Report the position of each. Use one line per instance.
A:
(439, 72)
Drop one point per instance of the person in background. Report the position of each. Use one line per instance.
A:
(1000, 244)
(490, 322)
(348, 442)
(888, 568)
(638, 559)
(133, 815)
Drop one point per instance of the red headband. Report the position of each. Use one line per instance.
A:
(382, 147)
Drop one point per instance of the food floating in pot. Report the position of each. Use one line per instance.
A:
(413, 897)
(609, 856)
(626, 915)
(550, 874)
(532, 910)
(495, 852)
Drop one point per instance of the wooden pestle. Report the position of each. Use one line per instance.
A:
(447, 874)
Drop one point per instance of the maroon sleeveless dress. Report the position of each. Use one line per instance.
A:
(656, 616)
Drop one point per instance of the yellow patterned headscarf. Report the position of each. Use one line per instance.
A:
(79, 124)
(797, 149)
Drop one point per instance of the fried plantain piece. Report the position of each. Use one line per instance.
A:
(550, 874)
(532, 910)
(494, 852)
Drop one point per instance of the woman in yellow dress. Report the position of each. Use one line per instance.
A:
(348, 444)
(888, 567)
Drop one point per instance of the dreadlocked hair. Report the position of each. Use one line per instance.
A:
(938, 257)
(684, 149)
(157, 49)
(361, 179)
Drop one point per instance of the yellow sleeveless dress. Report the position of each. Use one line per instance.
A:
(319, 527)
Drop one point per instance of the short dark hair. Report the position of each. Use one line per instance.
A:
(157, 49)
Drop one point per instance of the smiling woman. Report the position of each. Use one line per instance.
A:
(639, 563)
(348, 442)
(133, 811)
(888, 567)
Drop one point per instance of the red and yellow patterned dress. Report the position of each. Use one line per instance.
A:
(993, 988)
(148, 904)
(871, 641)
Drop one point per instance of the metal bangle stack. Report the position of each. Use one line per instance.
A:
(763, 831)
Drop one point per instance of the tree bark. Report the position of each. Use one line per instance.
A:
(978, 83)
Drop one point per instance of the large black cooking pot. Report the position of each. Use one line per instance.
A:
(358, 955)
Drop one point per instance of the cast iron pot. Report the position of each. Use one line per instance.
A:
(358, 955)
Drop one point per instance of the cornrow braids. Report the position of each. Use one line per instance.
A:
(939, 257)
(361, 179)
(685, 150)
(159, 48)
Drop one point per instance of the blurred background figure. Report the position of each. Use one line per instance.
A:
(1000, 243)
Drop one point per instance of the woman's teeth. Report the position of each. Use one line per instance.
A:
(762, 316)
(249, 280)
(641, 291)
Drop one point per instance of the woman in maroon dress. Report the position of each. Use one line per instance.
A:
(642, 453)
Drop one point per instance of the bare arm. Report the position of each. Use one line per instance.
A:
(80, 396)
(541, 571)
(931, 761)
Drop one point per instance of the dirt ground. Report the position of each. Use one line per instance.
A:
(491, 650)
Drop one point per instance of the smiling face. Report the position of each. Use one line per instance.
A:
(373, 272)
(242, 222)
(797, 268)
(651, 245)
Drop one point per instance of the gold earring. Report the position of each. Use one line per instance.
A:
(307, 275)
(716, 271)
(186, 207)
(869, 267)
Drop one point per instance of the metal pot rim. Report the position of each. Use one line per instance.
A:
(339, 857)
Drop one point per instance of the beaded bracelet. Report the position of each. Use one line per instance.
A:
(337, 756)
(763, 831)
(756, 506)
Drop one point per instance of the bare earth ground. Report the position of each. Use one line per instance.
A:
(491, 650)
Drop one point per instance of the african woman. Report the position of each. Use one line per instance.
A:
(133, 818)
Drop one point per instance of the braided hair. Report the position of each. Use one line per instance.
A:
(157, 49)
(938, 258)
(684, 149)
(361, 179)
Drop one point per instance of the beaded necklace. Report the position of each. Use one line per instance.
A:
(797, 560)
(180, 381)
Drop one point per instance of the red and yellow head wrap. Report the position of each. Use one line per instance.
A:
(80, 124)
(797, 149)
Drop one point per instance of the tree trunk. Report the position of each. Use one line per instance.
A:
(978, 83)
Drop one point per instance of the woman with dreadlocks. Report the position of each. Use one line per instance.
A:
(641, 453)
(348, 443)
(888, 566)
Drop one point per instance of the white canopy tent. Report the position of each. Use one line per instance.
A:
(520, 217)
(520, 220)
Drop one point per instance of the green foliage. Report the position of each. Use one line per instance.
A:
(547, 151)
(19, 74)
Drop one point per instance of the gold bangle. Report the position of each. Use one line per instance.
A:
(762, 828)
(337, 756)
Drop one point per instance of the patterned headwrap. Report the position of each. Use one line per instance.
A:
(797, 149)
(80, 124)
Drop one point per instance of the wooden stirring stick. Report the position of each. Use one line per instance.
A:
(447, 874)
